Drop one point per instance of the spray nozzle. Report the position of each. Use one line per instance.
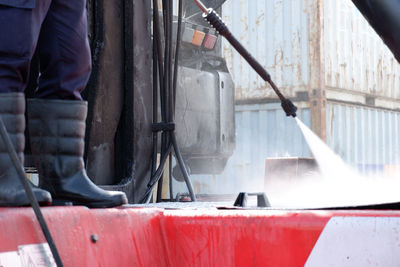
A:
(289, 108)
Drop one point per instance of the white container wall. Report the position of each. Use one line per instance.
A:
(366, 138)
(356, 58)
(277, 33)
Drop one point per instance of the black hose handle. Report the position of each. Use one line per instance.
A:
(215, 21)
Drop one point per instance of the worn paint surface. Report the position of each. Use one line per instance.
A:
(284, 36)
(339, 243)
(276, 33)
(190, 237)
(126, 237)
(356, 59)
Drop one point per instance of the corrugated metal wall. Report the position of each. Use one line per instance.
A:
(264, 131)
(364, 136)
(276, 33)
(355, 56)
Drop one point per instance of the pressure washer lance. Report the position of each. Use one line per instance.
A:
(215, 21)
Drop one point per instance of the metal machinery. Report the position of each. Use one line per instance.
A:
(119, 143)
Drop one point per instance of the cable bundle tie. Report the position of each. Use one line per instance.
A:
(163, 127)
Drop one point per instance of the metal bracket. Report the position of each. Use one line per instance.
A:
(262, 200)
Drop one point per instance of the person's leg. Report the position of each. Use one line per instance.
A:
(57, 116)
(57, 130)
(19, 32)
(65, 60)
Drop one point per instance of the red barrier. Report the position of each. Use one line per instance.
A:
(126, 237)
(156, 237)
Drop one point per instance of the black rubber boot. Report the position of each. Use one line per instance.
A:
(12, 193)
(57, 131)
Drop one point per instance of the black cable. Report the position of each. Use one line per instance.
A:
(160, 60)
(169, 79)
(172, 134)
(157, 70)
(174, 83)
(171, 189)
(167, 6)
(167, 98)
(215, 20)
(169, 95)
(164, 59)
(157, 38)
(178, 44)
(155, 103)
(183, 168)
(28, 190)
(168, 14)
(156, 177)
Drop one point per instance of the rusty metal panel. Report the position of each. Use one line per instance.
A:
(281, 35)
(356, 59)
(107, 73)
(276, 33)
(119, 141)
(364, 137)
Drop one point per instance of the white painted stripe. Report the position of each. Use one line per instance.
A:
(28, 256)
(10, 259)
(358, 242)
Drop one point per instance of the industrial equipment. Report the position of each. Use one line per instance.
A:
(135, 93)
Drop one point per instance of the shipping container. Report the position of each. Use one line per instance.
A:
(286, 37)
(276, 33)
(367, 138)
(356, 59)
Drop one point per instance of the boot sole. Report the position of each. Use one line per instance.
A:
(41, 203)
(94, 205)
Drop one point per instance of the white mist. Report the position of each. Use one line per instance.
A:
(337, 185)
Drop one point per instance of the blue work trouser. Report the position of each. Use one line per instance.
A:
(59, 28)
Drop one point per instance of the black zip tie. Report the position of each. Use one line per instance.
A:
(163, 127)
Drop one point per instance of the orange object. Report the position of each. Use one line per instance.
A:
(198, 38)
